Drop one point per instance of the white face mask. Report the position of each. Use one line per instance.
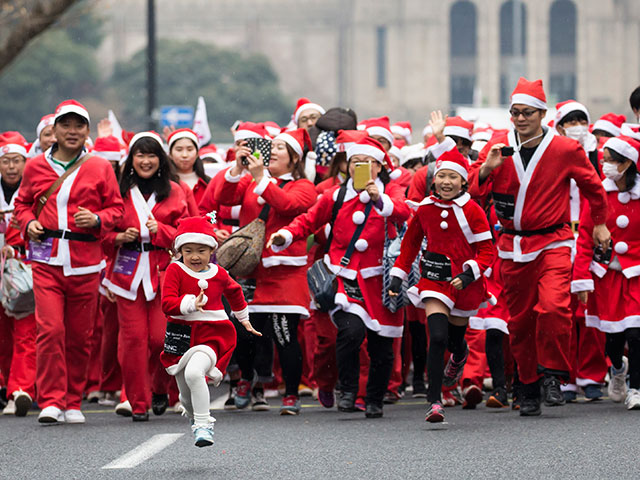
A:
(610, 170)
(577, 132)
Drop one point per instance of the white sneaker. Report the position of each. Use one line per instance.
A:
(51, 415)
(23, 403)
(108, 399)
(124, 409)
(93, 396)
(633, 399)
(74, 416)
(617, 388)
(10, 409)
(178, 408)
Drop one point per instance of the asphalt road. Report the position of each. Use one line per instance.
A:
(585, 441)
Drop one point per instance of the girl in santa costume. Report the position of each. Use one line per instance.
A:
(199, 337)
(281, 296)
(183, 150)
(608, 282)
(45, 137)
(139, 247)
(452, 287)
(359, 310)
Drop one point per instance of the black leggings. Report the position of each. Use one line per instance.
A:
(418, 351)
(442, 335)
(351, 333)
(615, 349)
(256, 353)
(495, 356)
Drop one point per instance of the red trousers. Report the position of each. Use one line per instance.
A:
(538, 299)
(588, 361)
(93, 367)
(6, 349)
(110, 376)
(140, 342)
(21, 336)
(65, 315)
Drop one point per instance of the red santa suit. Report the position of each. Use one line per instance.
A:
(66, 270)
(134, 277)
(227, 216)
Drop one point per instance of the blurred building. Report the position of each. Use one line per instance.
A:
(407, 57)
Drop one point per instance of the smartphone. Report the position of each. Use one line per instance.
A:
(261, 145)
(361, 175)
(506, 151)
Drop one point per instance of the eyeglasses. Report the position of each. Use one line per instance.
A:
(526, 113)
(11, 161)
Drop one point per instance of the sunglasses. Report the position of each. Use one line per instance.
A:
(526, 113)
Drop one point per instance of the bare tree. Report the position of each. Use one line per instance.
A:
(23, 20)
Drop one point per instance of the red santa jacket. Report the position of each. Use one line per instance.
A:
(623, 221)
(11, 231)
(130, 268)
(538, 197)
(227, 217)
(456, 228)
(189, 199)
(92, 186)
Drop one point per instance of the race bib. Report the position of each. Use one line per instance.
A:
(436, 267)
(177, 339)
(504, 204)
(40, 251)
(126, 261)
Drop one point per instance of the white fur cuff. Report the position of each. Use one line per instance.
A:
(262, 186)
(398, 272)
(582, 286)
(188, 304)
(473, 265)
(387, 206)
(242, 315)
(288, 240)
(230, 178)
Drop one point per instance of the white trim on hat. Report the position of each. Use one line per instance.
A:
(245, 134)
(381, 131)
(427, 130)
(289, 140)
(213, 155)
(177, 136)
(193, 237)
(565, 110)
(524, 99)
(13, 148)
(623, 148)
(448, 165)
(111, 156)
(403, 131)
(307, 106)
(44, 124)
(344, 146)
(607, 126)
(457, 131)
(140, 135)
(369, 150)
(72, 109)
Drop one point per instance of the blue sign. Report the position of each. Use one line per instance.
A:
(179, 116)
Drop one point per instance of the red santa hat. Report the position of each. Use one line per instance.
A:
(347, 138)
(211, 152)
(12, 137)
(13, 148)
(44, 123)
(565, 108)
(296, 139)
(372, 148)
(306, 104)
(195, 230)
(150, 134)
(404, 129)
(625, 146)
(272, 128)
(182, 133)
(482, 134)
(631, 131)
(458, 127)
(453, 160)
(249, 130)
(610, 123)
(529, 93)
(71, 106)
(380, 127)
(108, 148)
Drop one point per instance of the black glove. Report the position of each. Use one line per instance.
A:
(466, 277)
(396, 285)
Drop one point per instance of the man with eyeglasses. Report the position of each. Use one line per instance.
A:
(527, 172)
(307, 113)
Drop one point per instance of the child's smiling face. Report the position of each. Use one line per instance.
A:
(196, 256)
(448, 183)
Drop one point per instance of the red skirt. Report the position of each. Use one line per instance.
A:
(614, 306)
(461, 303)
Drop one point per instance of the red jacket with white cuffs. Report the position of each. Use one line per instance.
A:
(623, 221)
(538, 197)
(92, 186)
(147, 265)
(227, 217)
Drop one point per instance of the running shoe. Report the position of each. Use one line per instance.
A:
(326, 398)
(203, 435)
(243, 394)
(498, 399)
(551, 390)
(472, 396)
(617, 388)
(633, 399)
(290, 405)
(453, 370)
(435, 414)
(230, 403)
(592, 392)
(23, 403)
(259, 404)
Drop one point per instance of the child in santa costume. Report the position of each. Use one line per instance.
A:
(199, 338)
(613, 277)
(452, 287)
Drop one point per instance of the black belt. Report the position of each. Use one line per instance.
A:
(531, 233)
(140, 247)
(68, 235)
(232, 222)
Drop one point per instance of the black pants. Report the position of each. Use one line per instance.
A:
(495, 356)
(615, 349)
(256, 353)
(418, 351)
(351, 333)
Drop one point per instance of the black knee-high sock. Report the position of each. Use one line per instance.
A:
(633, 339)
(456, 344)
(438, 336)
(495, 356)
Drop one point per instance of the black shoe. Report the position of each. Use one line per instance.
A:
(498, 398)
(390, 398)
(373, 411)
(530, 407)
(3, 397)
(159, 403)
(140, 417)
(347, 402)
(553, 396)
(419, 390)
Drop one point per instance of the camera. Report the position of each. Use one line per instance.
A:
(506, 151)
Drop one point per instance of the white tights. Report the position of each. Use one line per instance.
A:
(194, 392)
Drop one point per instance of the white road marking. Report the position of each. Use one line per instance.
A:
(145, 451)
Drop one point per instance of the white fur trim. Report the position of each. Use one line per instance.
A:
(111, 156)
(242, 315)
(517, 256)
(380, 132)
(584, 285)
(456, 167)
(203, 275)
(597, 269)
(261, 201)
(367, 150)
(327, 230)
(262, 185)
(475, 268)
(524, 99)
(371, 323)
(292, 142)
(72, 109)
(621, 248)
(231, 178)
(566, 109)
(206, 316)
(179, 135)
(140, 135)
(457, 131)
(339, 270)
(244, 135)
(615, 326)
(607, 126)
(288, 240)
(395, 174)
(278, 260)
(361, 245)
(631, 272)
(620, 146)
(192, 237)
(307, 106)
(358, 217)
(13, 148)
(235, 211)
(622, 221)
(489, 323)
(398, 272)
(369, 272)
(188, 304)
(439, 148)
(387, 206)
